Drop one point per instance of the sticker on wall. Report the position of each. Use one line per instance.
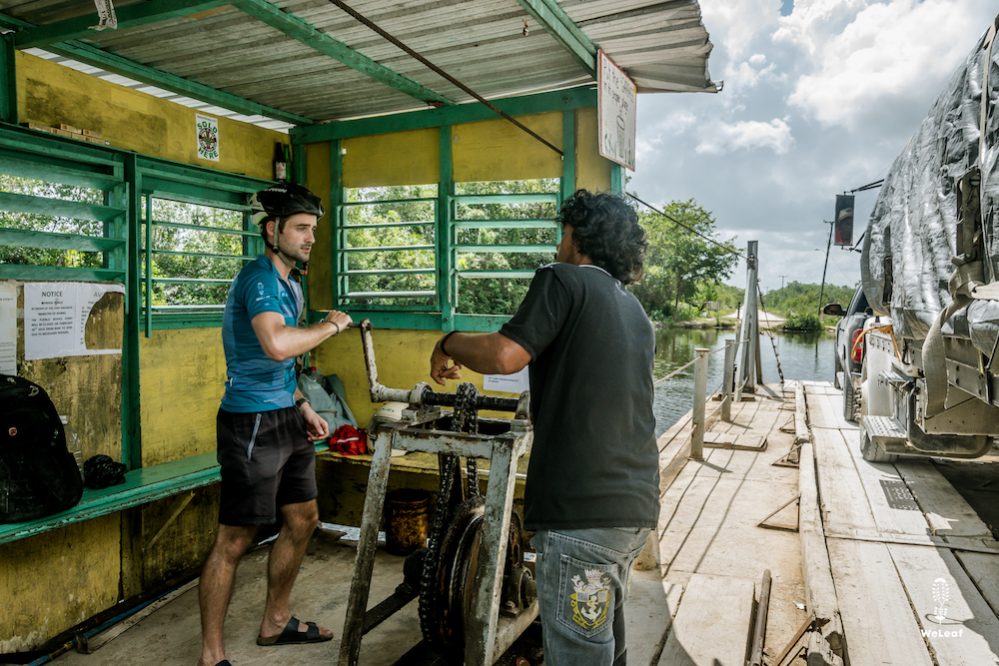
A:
(208, 137)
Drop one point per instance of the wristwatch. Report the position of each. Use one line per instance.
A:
(300, 402)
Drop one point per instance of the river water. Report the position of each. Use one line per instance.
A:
(806, 356)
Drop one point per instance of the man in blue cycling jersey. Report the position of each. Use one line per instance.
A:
(265, 426)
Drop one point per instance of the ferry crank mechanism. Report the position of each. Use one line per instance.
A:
(476, 596)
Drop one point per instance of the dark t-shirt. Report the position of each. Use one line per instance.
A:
(594, 462)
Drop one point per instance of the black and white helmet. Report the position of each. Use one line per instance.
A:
(282, 200)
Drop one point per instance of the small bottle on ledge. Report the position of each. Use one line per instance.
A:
(280, 162)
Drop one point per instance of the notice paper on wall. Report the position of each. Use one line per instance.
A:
(55, 318)
(514, 383)
(8, 328)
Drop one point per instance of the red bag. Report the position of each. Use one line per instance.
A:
(349, 440)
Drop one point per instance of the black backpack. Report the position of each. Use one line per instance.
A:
(38, 474)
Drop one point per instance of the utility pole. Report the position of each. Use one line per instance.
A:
(822, 290)
(782, 281)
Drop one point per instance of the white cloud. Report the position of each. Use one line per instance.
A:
(884, 55)
(749, 73)
(813, 21)
(719, 138)
(734, 24)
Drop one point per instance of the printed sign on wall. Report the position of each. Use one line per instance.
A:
(56, 315)
(616, 110)
(208, 137)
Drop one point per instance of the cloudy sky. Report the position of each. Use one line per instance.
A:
(819, 97)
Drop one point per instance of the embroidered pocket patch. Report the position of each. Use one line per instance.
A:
(586, 595)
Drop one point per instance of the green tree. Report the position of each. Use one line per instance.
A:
(680, 266)
(799, 299)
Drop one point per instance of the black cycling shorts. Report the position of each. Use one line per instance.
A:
(267, 462)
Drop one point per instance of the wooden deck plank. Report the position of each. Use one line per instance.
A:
(955, 619)
(947, 513)
(840, 487)
(983, 570)
(820, 590)
(825, 408)
(894, 508)
(877, 619)
(713, 622)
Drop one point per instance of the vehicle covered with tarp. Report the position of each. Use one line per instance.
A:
(930, 271)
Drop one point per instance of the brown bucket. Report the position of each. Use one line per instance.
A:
(406, 520)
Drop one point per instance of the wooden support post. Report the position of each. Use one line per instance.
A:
(364, 561)
(750, 330)
(700, 390)
(480, 635)
(728, 381)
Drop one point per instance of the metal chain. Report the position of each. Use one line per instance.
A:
(428, 577)
(465, 419)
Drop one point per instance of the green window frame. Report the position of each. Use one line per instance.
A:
(101, 222)
(160, 180)
(445, 314)
(371, 275)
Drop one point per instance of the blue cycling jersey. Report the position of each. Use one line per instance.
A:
(255, 382)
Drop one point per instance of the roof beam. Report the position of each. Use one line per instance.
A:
(320, 41)
(130, 16)
(154, 77)
(559, 100)
(556, 22)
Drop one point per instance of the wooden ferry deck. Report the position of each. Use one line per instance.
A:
(886, 563)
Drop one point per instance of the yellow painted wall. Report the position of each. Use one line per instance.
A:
(50, 94)
(592, 170)
(56, 580)
(401, 158)
(498, 150)
(182, 377)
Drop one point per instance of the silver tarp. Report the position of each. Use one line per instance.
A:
(911, 237)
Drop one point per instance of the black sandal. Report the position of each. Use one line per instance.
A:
(290, 635)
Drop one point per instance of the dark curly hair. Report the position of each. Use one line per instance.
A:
(605, 228)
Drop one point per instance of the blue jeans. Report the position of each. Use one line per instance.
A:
(582, 581)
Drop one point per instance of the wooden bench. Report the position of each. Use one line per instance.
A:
(141, 486)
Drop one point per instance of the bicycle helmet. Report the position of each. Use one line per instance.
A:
(282, 200)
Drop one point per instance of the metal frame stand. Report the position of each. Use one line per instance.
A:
(486, 634)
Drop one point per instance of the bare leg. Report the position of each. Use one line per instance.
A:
(300, 521)
(215, 588)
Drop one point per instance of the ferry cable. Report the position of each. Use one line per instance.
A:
(437, 70)
(680, 224)
(683, 367)
(773, 343)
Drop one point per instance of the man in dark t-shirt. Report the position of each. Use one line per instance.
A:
(593, 478)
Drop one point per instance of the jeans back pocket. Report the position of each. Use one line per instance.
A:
(586, 595)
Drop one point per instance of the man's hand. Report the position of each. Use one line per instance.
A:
(339, 319)
(442, 367)
(315, 425)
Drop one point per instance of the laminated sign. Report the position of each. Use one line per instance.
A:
(616, 110)
(208, 137)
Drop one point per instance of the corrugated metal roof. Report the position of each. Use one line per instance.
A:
(495, 47)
